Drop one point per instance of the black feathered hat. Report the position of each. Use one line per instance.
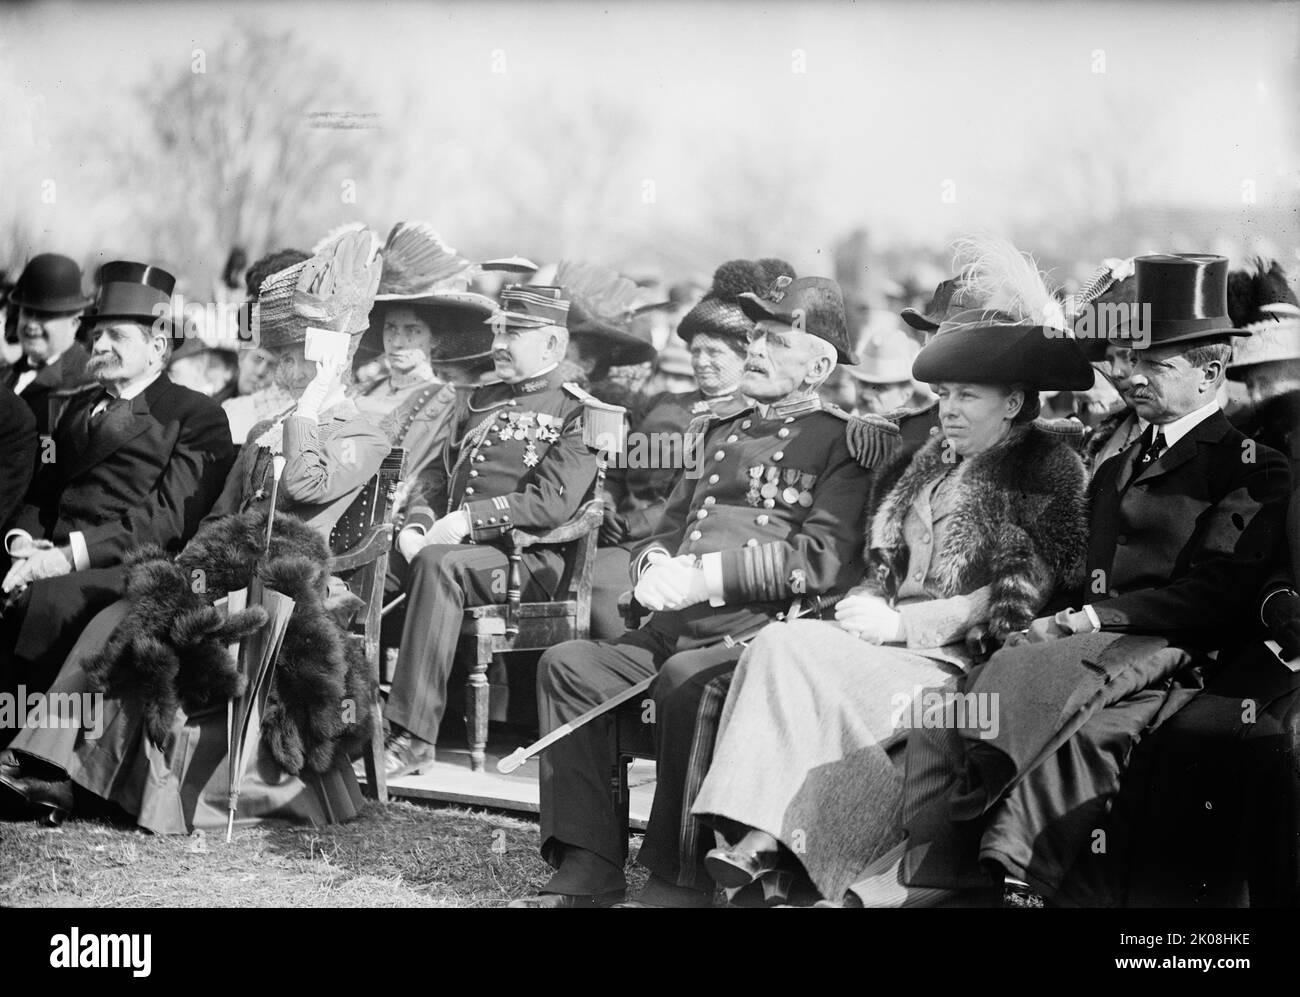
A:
(719, 312)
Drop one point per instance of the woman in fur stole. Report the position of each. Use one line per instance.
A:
(971, 539)
(161, 657)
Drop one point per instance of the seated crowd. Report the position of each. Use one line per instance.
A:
(906, 599)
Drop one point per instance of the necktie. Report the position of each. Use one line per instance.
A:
(1153, 448)
(98, 414)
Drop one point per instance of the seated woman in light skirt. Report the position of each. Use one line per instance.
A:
(968, 544)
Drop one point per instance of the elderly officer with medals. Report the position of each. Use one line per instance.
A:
(516, 459)
(775, 514)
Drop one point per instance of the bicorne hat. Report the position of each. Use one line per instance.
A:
(814, 304)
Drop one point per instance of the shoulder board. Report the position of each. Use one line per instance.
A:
(1068, 430)
(871, 439)
(900, 415)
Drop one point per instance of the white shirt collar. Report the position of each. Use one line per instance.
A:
(135, 387)
(1176, 430)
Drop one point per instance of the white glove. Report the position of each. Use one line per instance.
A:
(21, 544)
(410, 541)
(320, 388)
(49, 562)
(450, 529)
(671, 584)
(870, 618)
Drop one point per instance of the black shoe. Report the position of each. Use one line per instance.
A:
(733, 868)
(612, 899)
(48, 800)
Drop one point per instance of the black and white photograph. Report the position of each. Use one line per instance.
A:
(738, 453)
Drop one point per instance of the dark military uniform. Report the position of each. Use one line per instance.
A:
(515, 460)
(639, 492)
(775, 512)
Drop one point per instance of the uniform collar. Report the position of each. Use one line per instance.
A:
(784, 409)
(540, 381)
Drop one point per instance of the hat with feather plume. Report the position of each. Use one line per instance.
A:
(1011, 330)
(1261, 302)
(601, 305)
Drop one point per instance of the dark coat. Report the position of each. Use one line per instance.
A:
(1177, 553)
(17, 454)
(46, 394)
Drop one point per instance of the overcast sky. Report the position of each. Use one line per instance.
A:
(920, 119)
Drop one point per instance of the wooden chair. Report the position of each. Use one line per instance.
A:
(532, 626)
(360, 544)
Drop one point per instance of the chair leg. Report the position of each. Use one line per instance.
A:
(623, 799)
(376, 776)
(476, 704)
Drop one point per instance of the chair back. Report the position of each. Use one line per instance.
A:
(373, 504)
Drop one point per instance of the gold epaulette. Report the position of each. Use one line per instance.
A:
(604, 426)
(871, 439)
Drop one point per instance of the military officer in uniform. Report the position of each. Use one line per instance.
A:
(515, 460)
(775, 513)
(716, 333)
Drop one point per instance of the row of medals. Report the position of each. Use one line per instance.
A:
(794, 486)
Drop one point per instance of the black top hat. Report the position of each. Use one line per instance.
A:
(977, 346)
(135, 292)
(814, 304)
(49, 283)
(1188, 297)
(945, 301)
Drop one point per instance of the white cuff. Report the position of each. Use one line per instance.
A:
(1092, 617)
(13, 535)
(416, 527)
(80, 553)
(712, 567)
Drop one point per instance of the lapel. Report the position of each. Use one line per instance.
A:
(1127, 461)
(1209, 430)
(120, 427)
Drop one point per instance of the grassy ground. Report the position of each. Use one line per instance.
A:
(402, 855)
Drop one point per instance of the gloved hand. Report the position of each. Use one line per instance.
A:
(1043, 629)
(23, 546)
(1281, 614)
(870, 618)
(410, 542)
(318, 391)
(450, 529)
(671, 584)
(50, 562)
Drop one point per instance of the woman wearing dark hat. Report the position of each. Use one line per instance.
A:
(974, 534)
(49, 302)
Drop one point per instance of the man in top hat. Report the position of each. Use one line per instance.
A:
(775, 513)
(1185, 525)
(135, 460)
(50, 303)
(516, 459)
(716, 333)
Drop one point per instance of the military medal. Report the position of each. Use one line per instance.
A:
(790, 494)
(755, 476)
(805, 494)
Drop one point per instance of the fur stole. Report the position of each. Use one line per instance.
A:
(172, 649)
(1020, 524)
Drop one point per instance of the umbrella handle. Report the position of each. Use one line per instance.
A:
(277, 469)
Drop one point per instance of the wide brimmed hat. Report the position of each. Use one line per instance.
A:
(134, 292)
(719, 312)
(814, 304)
(978, 346)
(454, 317)
(49, 283)
(885, 356)
(1188, 297)
(531, 306)
(612, 344)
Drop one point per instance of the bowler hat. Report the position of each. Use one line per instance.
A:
(979, 346)
(1188, 297)
(49, 283)
(814, 304)
(946, 299)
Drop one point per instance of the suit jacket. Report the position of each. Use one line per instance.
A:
(326, 464)
(147, 474)
(43, 393)
(17, 453)
(1180, 548)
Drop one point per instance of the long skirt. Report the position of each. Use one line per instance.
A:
(183, 784)
(809, 747)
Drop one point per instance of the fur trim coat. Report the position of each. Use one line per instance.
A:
(173, 648)
(1020, 525)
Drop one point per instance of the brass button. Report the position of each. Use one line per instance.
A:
(783, 433)
(732, 438)
(917, 575)
(789, 419)
(778, 455)
(713, 479)
(702, 514)
(473, 474)
(751, 542)
(762, 520)
(709, 500)
(719, 455)
(469, 491)
(696, 534)
(492, 519)
(745, 424)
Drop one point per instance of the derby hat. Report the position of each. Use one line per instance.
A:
(979, 346)
(1188, 297)
(946, 299)
(814, 304)
(49, 283)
